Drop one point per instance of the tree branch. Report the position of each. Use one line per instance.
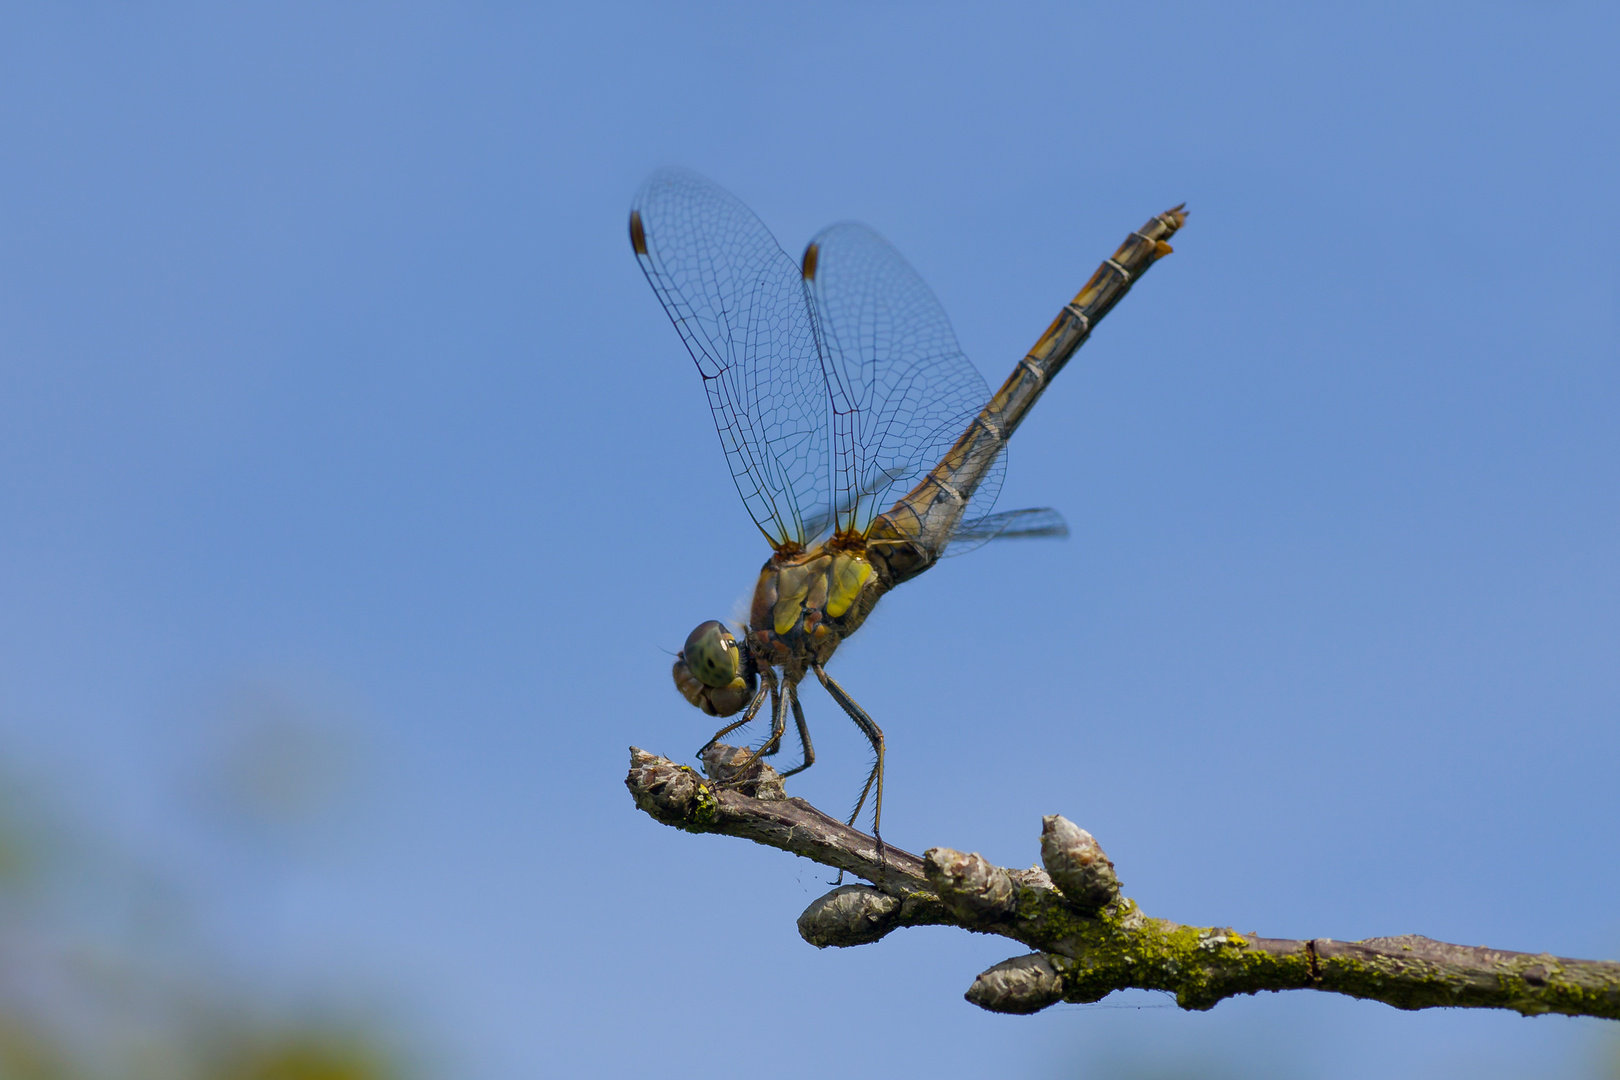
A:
(1090, 939)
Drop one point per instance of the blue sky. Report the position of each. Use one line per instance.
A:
(330, 389)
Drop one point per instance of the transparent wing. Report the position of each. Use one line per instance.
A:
(739, 303)
(901, 389)
(1008, 525)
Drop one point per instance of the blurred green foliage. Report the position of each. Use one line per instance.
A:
(103, 978)
(304, 1055)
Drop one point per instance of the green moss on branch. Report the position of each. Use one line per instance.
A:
(1085, 952)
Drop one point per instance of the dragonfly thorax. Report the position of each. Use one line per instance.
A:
(805, 603)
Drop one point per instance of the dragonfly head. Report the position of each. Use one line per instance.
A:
(712, 672)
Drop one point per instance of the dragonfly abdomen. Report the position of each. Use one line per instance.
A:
(910, 536)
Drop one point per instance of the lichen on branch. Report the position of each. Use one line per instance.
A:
(1088, 938)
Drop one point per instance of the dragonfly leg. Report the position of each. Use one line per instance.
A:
(779, 704)
(804, 732)
(874, 735)
(769, 685)
(778, 722)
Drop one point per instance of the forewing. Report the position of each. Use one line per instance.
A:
(1028, 524)
(740, 304)
(901, 389)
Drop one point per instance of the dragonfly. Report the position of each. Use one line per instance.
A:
(864, 444)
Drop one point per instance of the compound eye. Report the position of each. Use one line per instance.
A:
(711, 654)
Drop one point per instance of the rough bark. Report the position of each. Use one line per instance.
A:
(1089, 939)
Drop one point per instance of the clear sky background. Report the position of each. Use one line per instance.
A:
(346, 455)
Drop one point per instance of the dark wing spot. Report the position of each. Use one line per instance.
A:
(638, 235)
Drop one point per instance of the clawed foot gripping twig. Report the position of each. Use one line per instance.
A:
(1089, 940)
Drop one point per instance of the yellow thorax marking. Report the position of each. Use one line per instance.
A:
(849, 573)
(792, 586)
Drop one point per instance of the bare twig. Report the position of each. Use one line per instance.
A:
(1090, 939)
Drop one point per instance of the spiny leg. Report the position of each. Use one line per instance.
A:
(778, 721)
(804, 732)
(779, 705)
(769, 685)
(875, 736)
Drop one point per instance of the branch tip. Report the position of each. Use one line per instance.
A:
(851, 915)
(1077, 864)
(1024, 984)
(670, 793)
